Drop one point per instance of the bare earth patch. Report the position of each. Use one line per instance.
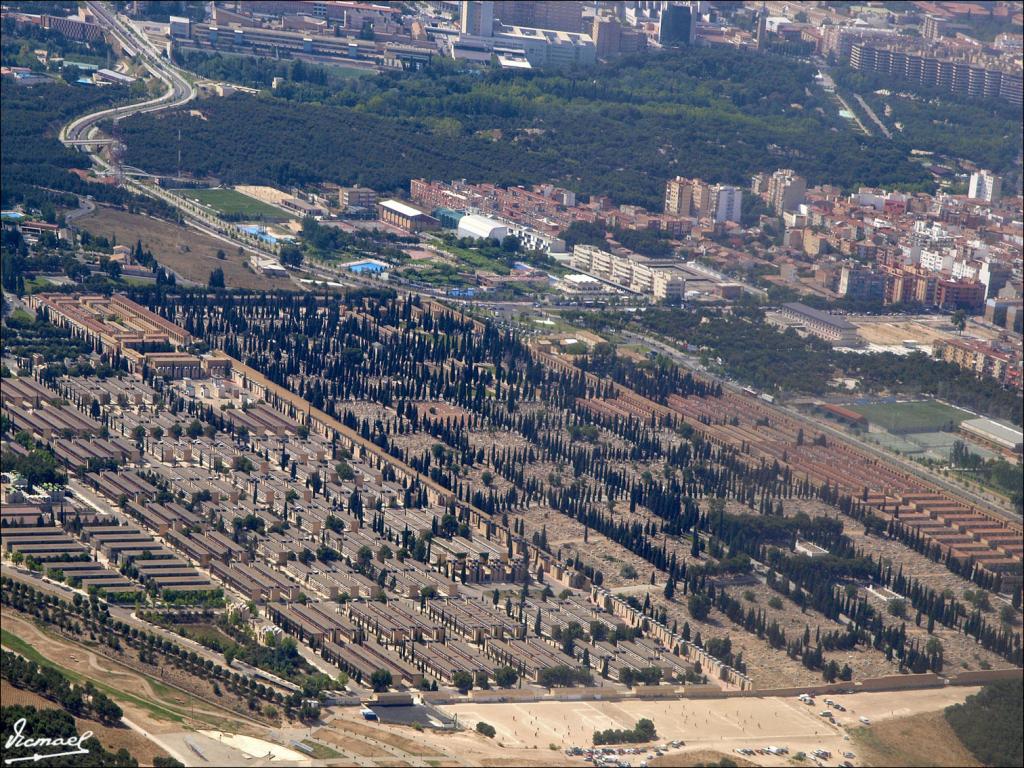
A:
(703, 757)
(350, 743)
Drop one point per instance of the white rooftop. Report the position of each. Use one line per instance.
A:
(475, 225)
(399, 207)
(1001, 433)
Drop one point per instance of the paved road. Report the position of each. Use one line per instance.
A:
(872, 115)
(856, 117)
(179, 90)
(85, 207)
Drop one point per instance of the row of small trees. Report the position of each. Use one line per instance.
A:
(91, 617)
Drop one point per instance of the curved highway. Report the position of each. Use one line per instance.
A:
(179, 90)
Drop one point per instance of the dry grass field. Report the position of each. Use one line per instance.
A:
(920, 740)
(191, 254)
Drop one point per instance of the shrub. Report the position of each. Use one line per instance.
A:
(463, 681)
(897, 607)
(486, 729)
(699, 606)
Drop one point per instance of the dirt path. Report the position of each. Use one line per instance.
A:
(170, 707)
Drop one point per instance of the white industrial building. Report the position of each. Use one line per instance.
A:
(994, 434)
(518, 47)
(581, 285)
(479, 227)
(549, 47)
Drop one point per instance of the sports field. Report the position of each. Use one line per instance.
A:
(232, 203)
(722, 725)
(911, 417)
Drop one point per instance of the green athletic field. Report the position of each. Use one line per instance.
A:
(230, 203)
(908, 418)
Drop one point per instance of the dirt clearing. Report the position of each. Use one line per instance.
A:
(191, 254)
(701, 757)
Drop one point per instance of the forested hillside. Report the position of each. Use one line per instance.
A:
(30, 119)
(718, 114)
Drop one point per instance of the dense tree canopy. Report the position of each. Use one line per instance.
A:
(36, 166)
(986, 132)
(988, 723)
(719, 114)
(761, 355)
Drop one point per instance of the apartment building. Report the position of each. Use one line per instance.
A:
(978, 78)
(477, 18)
(356, 197)
(910, 285)
(861, 283)
(960, 294)
(832, 328)
(544, 207)
(612, 39)
(728, 202)
(982, 359)
(986, 186)
(1005, 313)
(679, 196)
(564, 15)
(634, 273)
(785, 190)
(694, 197)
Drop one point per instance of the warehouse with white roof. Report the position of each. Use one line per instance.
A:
(996, 435)
(405, 216)
(479, 227)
